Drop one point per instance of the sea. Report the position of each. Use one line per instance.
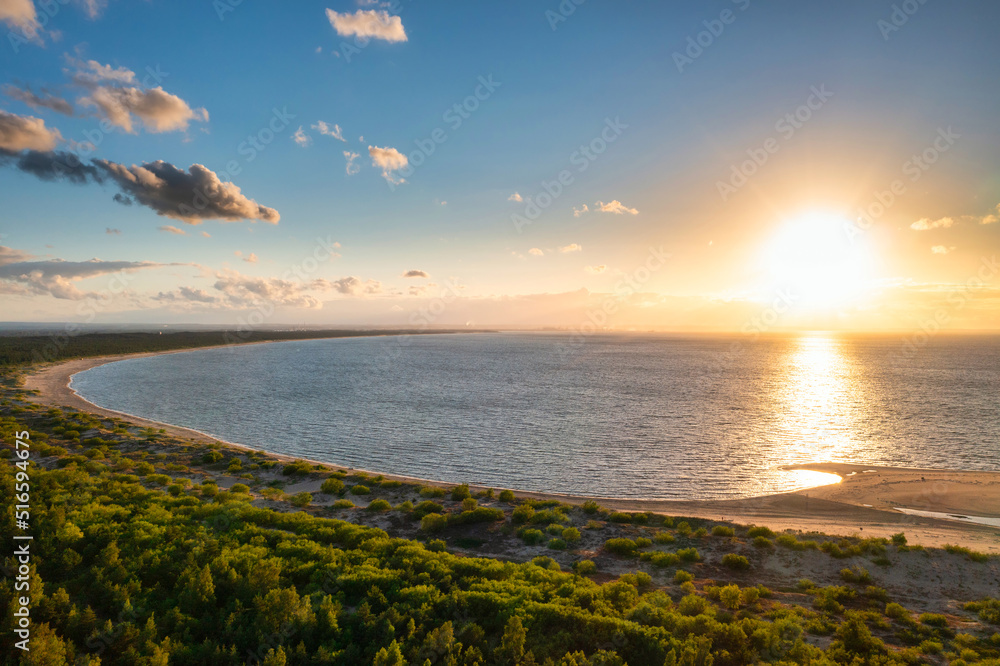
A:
(607, 415)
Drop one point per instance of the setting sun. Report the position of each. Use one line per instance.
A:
(815, 259)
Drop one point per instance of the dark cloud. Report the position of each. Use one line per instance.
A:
(53, 165)
(44, 101)
(19, 274)
(416, 274)
(123, 200)
(191, 196)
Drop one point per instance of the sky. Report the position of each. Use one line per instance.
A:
(735, 165)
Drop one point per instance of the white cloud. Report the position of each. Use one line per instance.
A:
(351, 168)
(515, 197)
(941, 249)
(389, 160)
(19, 274)
(536, 252)
(596, 270)
(170, 229)
(926, 224)
(368, 23)
(301, 138)
(572, 247)
(577, 212)
(250, 258)
(19, 133)
(326, 130)
(616, 207)
(20, 14)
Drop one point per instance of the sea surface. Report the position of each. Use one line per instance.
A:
(631, 415)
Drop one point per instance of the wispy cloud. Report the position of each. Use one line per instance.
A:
(389, 160)
(170, 229)
(370, 23)
(536, 252)
(44, 101)
(515, 197)
(572, 247)
(616, 207)
(596, 270)
(351, 167)
(300, 137)
(941, 249)
(329, 130)
(577, 212)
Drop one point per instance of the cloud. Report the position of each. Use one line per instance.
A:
(368, 23)
(596, 270)
(172, 230)
(20, 14)
(19, 133)
(389, 160)
(572, 247)
(577, 212)
(237, 290)
(206, 234)
(416, 274)
(56, 278)
(49, 165)
(325, 129)
(941, 249)
(351, 168)
(35, 101)
(616, 207)
(190, 196)
(158, 110)
(112, 232)
(250, 258)
(91, 72)
(122, 199)
(926, 224)
(515, 197)
(354, 286)
(301, 138)
(92, 8)
(536, 252)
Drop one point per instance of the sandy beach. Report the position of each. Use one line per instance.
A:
(866, 502)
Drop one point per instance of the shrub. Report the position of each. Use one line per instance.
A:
(343, 504)
(664, 538)
(239, 488)
(735, 562)
(730, 596)
(933, 620)
(235, 465)
(659, 559)
(298, 467)
(532, 537)
(622, 518)
(757, 531)
(684, 528)
(426, 507)
(555, 528)
(332, 486)
(301, 499)
(623, 547)
(507, 496)
(763, 543)
(557, 544)
(643, 542)
(480, 514)
(723, 531)
(571, 535)
(433, 522)
(594, 525)
(857, 574)
(158, 479)
(405, 507)
(689, 555)
(436, 546)
(973, 555)
(360, 490)
(391, 484)
(432, 491)
(175, 489)
(523, 513)
(899, 539)
(459, 493)
(144, 468)
(692, 605)
(485, 494)
(548, 516)
(590, 507)
(683, 577)
(469, 503)
(379, 505)
(584, 567)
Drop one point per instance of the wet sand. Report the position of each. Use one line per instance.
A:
(864, 503)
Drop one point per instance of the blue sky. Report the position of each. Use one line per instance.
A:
(558, 87)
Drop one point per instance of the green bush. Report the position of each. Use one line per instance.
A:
(623, 547)
(379, 505)
(506, 496)
(548, 516)
(433, 522)
(590, 507)
(682, 576)
(459, 493)
(557, 544)
(480, 514)
(532, 537)
(857, 574)
(933, 620)
(523, 513)
(239, 488)
(571, 535)
(723, 531)
(689, 555)
(427, 507)
(360, 490)
(735, 562)
(660, 559)
(664, 538)
(643, 542)
(973, 555)
(332, 486)
(209, 490)
(758, 531)
(469, 503)
(584, 567)
(405, 507)
(622, 518)
(299, 467)
(158, 479)
(684, 528)
(343, 504)
(144, 468)
(763, 543)
(300, 499)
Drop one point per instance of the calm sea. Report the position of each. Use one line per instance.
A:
(609, 415)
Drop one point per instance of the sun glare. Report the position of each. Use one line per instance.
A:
(818, 262)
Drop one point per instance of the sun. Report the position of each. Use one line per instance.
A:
(814, 258)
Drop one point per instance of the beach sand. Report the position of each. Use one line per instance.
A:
(864, 503)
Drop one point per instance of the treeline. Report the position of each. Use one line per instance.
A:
(22, 350)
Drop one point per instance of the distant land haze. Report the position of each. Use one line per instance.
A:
(615, 415)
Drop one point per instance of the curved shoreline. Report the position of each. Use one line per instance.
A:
(864, 502)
